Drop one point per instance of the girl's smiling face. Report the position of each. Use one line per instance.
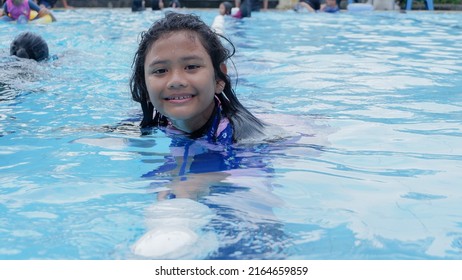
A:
(180, 80)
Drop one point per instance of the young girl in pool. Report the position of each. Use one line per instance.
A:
(219, 21)
(180, 79)
(20, 10)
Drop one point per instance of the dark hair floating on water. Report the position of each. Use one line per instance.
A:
(29, 45)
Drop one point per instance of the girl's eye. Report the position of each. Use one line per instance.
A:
(192, 67)
(159, 71)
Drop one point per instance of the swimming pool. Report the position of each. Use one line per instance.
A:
(372, 168)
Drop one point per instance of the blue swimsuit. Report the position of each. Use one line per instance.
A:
(210, 146)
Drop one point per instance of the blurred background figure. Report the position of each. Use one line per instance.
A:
(23, 11)
(225, 8)
(330, 6)
(49, 4)
(157, 4)
(218, 24)
(174, 4)
(246, 7)
(138, 5)
(311, 6)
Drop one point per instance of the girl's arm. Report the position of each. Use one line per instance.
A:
(34, 6)
(41, 11)
(2, 11)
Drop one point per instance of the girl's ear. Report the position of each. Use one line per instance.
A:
(220, 86)
(223, 68)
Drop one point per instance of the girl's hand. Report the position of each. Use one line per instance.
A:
(44, 12)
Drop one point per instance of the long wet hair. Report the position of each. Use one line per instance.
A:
(245, 124)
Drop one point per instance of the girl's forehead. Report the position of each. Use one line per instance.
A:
(177, 42)
(192, 35)
(174, 38)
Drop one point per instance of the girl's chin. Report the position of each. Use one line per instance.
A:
(178, 117)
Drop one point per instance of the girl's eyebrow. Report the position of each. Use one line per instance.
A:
(191, 57)
(156, 62)
(184, 59)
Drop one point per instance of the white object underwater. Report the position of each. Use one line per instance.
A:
(176, 231)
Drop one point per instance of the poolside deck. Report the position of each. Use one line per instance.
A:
(418, 5)
(127, 3)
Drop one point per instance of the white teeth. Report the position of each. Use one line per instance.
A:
(179, 97)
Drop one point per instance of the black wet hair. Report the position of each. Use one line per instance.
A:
(244, 123)
(228, 7)
(29, 45)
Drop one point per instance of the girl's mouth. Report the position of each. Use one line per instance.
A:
(179, 97)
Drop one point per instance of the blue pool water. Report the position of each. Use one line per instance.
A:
(369, 106)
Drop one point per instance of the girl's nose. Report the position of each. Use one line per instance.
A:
(177, 80)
